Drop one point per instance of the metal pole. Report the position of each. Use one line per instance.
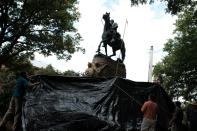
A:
(150, 69)
(124, 29)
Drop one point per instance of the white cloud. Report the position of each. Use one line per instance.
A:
(143, 30)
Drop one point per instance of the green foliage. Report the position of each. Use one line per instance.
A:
(49, 70)
(7, 83)
(71, 73)
(45, 26)
(173, 6)
(8, 75)
(5, 100)
(179, 67)
(20, 64)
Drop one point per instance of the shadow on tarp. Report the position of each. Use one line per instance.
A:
(91, 104)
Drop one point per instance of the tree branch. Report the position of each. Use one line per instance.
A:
(21, 31)
(2, 40)
(39, 30)
(4, 20)
(7, 57)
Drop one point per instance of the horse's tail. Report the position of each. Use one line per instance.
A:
(123, 50)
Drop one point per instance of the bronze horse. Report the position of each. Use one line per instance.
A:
(117, 44)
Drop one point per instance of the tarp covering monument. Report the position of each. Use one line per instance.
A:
(91, 104)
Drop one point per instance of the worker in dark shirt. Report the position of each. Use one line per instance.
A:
(15, 106)
(192, 116)
(176, 121)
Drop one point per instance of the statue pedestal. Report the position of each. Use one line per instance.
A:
(104, 66)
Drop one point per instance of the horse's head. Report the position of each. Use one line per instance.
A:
(106, 16)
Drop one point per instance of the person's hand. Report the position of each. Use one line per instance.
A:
(170, 123)
(36, 83)
(188, 123)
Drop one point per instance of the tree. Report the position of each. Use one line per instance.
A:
(8, 75)
(72, 73)
(179, 66)
(173, 6)
(49, 70)
(7, 83)
(20, 64)
(45, 26)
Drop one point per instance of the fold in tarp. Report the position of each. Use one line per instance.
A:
(91, 104)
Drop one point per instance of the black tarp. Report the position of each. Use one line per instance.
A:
(91, 104)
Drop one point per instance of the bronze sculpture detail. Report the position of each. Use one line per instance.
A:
(111, 37)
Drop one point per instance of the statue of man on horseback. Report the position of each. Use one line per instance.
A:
(111, 37)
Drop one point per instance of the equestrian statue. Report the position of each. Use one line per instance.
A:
(111, 37)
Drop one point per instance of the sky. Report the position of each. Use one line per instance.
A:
(148, 25)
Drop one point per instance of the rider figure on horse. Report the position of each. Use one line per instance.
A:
(111, 37)
(114, 32)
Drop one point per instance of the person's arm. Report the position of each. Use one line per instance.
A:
(33, 84)
(188, 117)
(157, 112)
(173, 117)
(29, 77)
(172, 120)
(29, 84)
(143, 107)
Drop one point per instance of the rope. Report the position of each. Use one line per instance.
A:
(117, 66)
(140, 104)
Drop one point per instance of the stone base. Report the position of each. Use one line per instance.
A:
(104, 66)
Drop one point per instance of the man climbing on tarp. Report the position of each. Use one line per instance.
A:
(150, 110)
(15, 106)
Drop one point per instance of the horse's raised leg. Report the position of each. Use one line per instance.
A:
(105, 48)
(99, 47)
(123, 50)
